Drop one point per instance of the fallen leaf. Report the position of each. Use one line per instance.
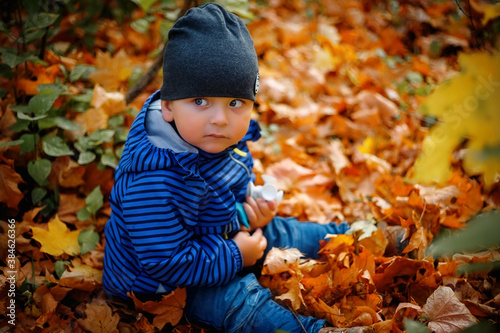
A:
(111, 70)
(99, 318)
(9, 190)
(280, 260)
(168, 310)
(58, 239)
(446, 313)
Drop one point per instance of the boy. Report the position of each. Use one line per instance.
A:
(174, 221)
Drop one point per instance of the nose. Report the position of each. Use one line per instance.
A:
(219, 116)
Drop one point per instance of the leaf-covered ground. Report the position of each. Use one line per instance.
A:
(344, 110)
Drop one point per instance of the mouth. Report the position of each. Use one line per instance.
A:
(216, 136)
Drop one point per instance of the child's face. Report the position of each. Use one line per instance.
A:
(210, 123)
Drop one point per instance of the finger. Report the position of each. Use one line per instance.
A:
(251, 214)
(272, 205)
(252, 202)
(263, 243)
(258, 233)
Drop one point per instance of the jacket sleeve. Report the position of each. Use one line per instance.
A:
(159, 212)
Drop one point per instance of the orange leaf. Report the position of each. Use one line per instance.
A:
(318, 285)
(111, 70)
(168, 310)
(9, 190)
(376, 243)
(40, 75)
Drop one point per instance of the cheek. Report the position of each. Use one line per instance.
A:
(190, 129)
(243, 127)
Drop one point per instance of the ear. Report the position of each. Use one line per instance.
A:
(166, 111)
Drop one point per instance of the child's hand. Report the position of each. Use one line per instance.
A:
(251, 246)
(259, 212)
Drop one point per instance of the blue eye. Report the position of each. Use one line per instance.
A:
(200, 101)
(236, 103)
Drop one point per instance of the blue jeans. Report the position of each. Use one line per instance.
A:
(244, 305)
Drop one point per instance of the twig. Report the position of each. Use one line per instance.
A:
(296, 317)
(150, 74)
(474, 31)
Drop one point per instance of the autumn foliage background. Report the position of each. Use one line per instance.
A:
(377, 111)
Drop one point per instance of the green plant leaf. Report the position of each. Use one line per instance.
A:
(55, 146)
(140, 25)
(38, 194)
(60, 267)
(9, 56)
(239, 7)
(81, 72)
(144, 4)
(84, 215)
(86, 157)
(20, 108)
(88, 239)
(480, 233)
(482, 327)
(412, 326)
(94, 200)
(11, 143)
(6, 71)
(24, 116)
(39, 170)
(52, 88)
(41, 104)
(61, 122)
(109, 160)
(100, 136)
(43, 20)
(29, 142)
(479, 267)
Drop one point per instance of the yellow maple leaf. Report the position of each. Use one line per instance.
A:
(57, 240)
(111, 71)
(467, 108)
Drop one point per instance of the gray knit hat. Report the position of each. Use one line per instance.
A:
(209, 53)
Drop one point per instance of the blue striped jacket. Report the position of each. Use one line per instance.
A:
(173, 212)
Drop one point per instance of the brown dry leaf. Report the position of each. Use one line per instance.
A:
(9, 190)
(143, 324)
(323, 311)
(81, 277)
(280, 260)
(168, 310)
(112, 71)
(99, 318)
(446, 313)
(69, 205)
(294, 292)
(66, 172)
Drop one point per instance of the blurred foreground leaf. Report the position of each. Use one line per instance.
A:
(467, 107)
(480, 233)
